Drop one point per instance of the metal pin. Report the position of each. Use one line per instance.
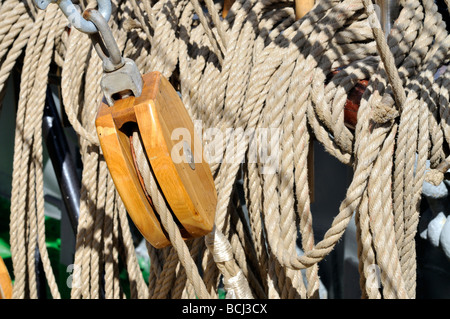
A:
(387, 11)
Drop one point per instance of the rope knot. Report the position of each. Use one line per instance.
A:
(131, 24)
(219, 246)
(384, 111)
(435, 176)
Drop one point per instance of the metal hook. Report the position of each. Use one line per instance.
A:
(74, 17)
(108, 50)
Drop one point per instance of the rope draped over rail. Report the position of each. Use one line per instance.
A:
(257, 70)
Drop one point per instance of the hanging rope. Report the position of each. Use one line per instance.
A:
(275, 83)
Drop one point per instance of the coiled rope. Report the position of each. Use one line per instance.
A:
(256, 69)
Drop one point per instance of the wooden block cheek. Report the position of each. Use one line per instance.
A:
(192, 196)
(198, 183)
(154, 135)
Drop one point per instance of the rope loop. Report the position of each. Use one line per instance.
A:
(261, 87)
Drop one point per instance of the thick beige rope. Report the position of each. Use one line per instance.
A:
(32, 100)
(167, 220)
(257, 68)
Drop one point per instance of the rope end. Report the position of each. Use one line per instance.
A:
(384, 111)
(434, 177)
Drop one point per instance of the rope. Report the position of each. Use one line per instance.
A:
(167, 220)
(262, 85)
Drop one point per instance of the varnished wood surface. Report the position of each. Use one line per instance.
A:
(116, 150)
(226, 7)
(190, 193)
(352, 104)
(302, 7)
(5, 281)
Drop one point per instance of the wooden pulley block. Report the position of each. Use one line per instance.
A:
(182, 173)
(6, 287)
